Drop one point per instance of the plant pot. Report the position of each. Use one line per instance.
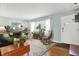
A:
(35, 37)
(26, 33)
(21, 44)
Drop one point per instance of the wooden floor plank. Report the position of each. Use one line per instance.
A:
(58, 51)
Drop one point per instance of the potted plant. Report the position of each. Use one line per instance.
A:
(22, 39)
(39, 32)
(26, 31)
(35, 35)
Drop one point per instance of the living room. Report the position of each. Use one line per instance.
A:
(38, 29)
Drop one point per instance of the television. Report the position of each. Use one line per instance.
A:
(77, 18)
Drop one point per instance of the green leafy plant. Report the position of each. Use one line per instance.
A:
(23, 39)
(35, 34)
(26, 29)
(39, 31)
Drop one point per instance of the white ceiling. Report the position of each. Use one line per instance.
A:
(33, 10)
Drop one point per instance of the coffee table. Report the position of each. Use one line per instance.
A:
(12, 50)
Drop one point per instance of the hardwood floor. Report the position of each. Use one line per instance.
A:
(58, 51)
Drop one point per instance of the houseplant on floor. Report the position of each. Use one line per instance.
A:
(39, 32)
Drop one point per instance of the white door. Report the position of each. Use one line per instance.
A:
(69, 33)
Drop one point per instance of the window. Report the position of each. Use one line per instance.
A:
(32, 26)
(44, 23)
(47, 24)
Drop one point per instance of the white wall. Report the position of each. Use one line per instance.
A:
(70, 33)
(7, 21)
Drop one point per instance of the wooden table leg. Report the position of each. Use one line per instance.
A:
(28, 54)
(0, 52)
